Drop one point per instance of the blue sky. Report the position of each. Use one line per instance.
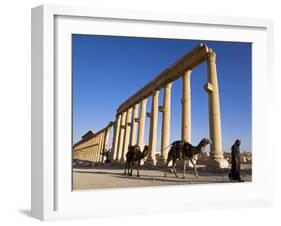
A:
(107, 70)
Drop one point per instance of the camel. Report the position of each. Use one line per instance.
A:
(185, 151)
(134, 155)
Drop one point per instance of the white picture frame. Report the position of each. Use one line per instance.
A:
(52, 197)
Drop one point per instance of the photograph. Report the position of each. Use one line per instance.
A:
(149, 111)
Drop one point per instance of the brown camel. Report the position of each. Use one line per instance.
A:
(185, 151)
(134, 155)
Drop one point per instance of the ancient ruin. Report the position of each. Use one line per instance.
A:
(92, 145)
(128, 122)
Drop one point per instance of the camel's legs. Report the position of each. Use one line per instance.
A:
(132, 167)
(126, 165)
(195, 169)
(184, 165)
(173, 167)
(167, 168)
(138, 166)
(129, 167)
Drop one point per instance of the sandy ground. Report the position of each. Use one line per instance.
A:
(113, 177)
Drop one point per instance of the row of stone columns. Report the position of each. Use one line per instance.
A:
(125, 131)
(120, 145)
(92, 149)
(126, 122)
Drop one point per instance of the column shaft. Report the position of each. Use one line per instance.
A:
(121, 137)
(214, 108)
(142, 124)
(153, 129)
(216, 160)
(134, 125)
(165, 138)
(96, 148)
(106, 140)
(101, 146)
(186, 107)
(127, 134)
(116, 136)
(92, 149)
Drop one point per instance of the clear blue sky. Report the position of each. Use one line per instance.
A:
(107, 70)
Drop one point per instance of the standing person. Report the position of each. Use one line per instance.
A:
(234, 174)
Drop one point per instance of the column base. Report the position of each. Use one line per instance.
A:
(217, 164)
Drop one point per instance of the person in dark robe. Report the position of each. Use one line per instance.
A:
(234, 174)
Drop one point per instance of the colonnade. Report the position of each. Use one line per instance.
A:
(91, 147)
(127, 123)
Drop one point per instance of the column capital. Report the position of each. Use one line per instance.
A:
(187, 72)
(211, 56)
(144, 100)
(168, 85)
(118, 116)
(155, 93)
(135, 106)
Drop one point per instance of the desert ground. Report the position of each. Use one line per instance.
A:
(111, 176)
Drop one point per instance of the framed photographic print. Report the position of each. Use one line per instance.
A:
(135, 111)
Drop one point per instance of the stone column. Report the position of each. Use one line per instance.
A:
(101, 146)
(186, 108)
(121, 137)
(216, 160)
(153, 129)
(142, 124)
(166, 110)
(93, 153)
(107, 135)
(186, 112)
(134, 125)
(106, 140)
(96, 147)
(127, 134)
(116, 136)
(92, 149)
